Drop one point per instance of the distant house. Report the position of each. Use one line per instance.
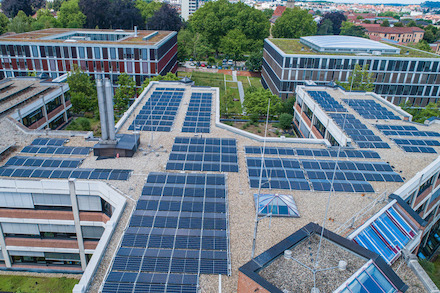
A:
(402, 35)
(435, 47)
(277, 13)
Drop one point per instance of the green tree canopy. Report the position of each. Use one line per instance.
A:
(4, 21)
(255, 61)
(294, 23)
(125, 91)
(411, 23)
(385, 23)
(216, 18)
(70, 15)
(398, 24)
(359, 80)
(256, 102)
(234, 44)
(350, 29)
(424, 46)
(192, 45)
(421, 114)
(82, 92)
(168, 76)
(286, 121)
(326, 28)
(147, 9)
(20, 23)
(45, 19)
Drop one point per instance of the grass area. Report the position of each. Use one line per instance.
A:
(85, 124)
(182, 74)
(432, 269)
(259, 129)
(293, 46)
(10, 283)
(256, 82)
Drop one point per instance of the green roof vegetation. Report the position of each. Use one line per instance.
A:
(10, 283)
(293, 46)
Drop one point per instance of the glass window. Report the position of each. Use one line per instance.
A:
(113, 53)
(97, 52)
(144, 54)
(34, 51)
(81, 52)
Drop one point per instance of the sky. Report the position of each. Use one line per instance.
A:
(383, 1)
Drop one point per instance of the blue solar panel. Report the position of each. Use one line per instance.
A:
(326, 101)
(405, 130)
(49, 141)
(43, 162)
(178, 230)
(159, 111)
(285, 151)
(58, 150)
(370, 109)
(198, 115)
(417, 145)
(203, 154)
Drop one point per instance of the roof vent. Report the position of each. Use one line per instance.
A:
(407, 53)
(119, 30)
(302, 49)
(342, 266)
(376, 53)
(287, 254)
(314, 290)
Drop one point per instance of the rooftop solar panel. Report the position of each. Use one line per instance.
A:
(198, 115)
(58, 150)
(159, 111)
(326, 101)
(370, 109)
(49, 141)
(285, 151)
(174, 236)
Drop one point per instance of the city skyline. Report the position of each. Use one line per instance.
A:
(381, 1)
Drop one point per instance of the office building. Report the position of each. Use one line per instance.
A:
(401, 74)
(191, 199)
(401, 35)
(100, 53)
(188, 7)
(35, 103)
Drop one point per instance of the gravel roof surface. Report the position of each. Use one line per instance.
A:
(311, 205)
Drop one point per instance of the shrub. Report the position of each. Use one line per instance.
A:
(285, 121)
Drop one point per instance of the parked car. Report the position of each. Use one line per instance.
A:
(231, 62)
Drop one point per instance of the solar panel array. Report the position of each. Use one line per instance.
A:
(387, 235)
(417, 145)
(57, 168)
(198, 115)
(326, 101)
(49, 141)
(178, 231)
(293, 174)
(44, 162)
(359, 132)
(285, 151)
(370, 109)
(203, 154)
(57, 150)
(64, 173)
(398, 130)
(159, 111)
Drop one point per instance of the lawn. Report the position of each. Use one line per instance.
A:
(10, 283)
(433, 270)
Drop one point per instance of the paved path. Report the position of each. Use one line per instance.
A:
(240, 89)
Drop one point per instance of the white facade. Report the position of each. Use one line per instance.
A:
(188, 8)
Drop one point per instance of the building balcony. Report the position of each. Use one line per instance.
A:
(49, 243)
(316, 133)
(306, 119)
(423, 195)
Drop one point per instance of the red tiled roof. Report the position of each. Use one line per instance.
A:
(279, 11)
(392, 30)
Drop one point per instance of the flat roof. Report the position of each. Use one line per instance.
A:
(294, 46)
(311, 205)
(349, 44)
(15, 92)
(89, 36)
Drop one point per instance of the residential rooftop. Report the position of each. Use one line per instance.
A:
(294, 46)
(89, 36)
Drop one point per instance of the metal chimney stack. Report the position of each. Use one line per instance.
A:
(106, 112)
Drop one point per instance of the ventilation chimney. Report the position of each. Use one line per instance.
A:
(135, 31)
(106, 112)
(110, 110)
(342, 266)
(102, 109)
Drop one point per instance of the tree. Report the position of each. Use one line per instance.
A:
(82, 92)
(45, 19)
(192, 45)
(4, 21)
(124, 15)
(385, 23)
(336, 19)
(255, 61)
(424, 46)
(360, 79)
(350, 29)
(11, 7)
(287, 105)
(168, 76)
(256, 101)
(285, 121)
(411, 23)
(166, 18)
(234, 44)
(398, 24)
(326, 28)
(96, 12)
(20, 23)
(124, 92)
(367, 21)
(70, 15)
(147, 9)
(55, 5)
(431, 33)
(268, 13)
(294, 23)
(216, 18)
